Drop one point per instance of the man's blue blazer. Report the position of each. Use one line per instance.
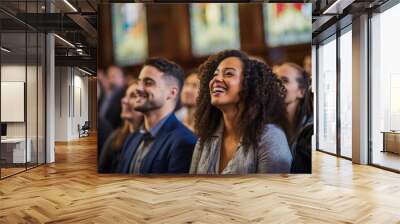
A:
(171, 151)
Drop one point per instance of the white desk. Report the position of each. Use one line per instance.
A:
(16, 146)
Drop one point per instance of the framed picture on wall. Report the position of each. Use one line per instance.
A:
(129, 29)
(287, 23)
(208, 21)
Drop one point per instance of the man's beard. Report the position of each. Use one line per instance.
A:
(148, 106)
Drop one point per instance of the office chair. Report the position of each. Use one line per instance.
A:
(84, 130)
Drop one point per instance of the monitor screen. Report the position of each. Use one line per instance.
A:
(3, 129)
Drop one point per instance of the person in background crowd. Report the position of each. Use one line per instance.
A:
(240, 118)
(130, 78)
(307, 64)
(163, 144)
(103, 87)
(100, 93)
(104, 129)
(110, 109)
(190, 92)
(132, 119)
(299, 106)
(275, 68)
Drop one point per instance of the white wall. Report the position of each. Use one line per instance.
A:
(61, 103)
(71, 102)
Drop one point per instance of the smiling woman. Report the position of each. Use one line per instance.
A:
(239, 133)
(225, 85)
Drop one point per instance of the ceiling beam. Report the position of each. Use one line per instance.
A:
(83, 61)
(84, 24)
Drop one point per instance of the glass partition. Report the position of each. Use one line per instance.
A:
(346, 93)
(41, 96)
(22, 88)
(385, 89)
(327, 96)
(31, 97)
(14, 153)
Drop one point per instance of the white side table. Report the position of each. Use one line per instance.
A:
(18, 149)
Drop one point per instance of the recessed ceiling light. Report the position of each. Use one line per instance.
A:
(337, 7)
(86, 72)
(5, 49)
(70, 5)
(65, 41)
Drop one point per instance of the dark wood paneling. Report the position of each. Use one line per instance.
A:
(104, 45)
(92, 92)
(169, 36)
(251, 28)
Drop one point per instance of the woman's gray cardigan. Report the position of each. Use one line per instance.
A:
(271, 156)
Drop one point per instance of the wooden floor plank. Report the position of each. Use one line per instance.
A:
(71, 191)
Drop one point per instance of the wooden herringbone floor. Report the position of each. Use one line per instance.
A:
(71, 191)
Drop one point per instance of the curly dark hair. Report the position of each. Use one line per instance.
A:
(262, 96)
